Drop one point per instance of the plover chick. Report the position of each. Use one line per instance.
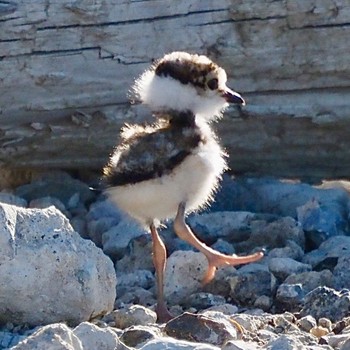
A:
(172, 167)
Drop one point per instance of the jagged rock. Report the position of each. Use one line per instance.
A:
(93, 337)
(54, 337)
(327, 302)
(55, 274)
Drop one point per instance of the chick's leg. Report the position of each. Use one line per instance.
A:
(215, 259)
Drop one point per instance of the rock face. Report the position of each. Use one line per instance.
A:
(48, 273)
(65, 68)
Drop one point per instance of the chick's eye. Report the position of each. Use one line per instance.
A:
(213, 84)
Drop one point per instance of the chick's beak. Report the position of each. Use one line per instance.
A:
(233, 97)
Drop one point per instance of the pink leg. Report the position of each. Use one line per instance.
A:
(215, 259)
(159, 261)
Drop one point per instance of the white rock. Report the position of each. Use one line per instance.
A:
(183, 274)
(175, 344)
(54, 274)
(96, 338)
(240, 345)
(134, 315)
(52, 337)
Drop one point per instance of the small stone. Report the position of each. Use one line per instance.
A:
(134, 315)
(290, 297)
(307, 323)
(325, 322)
(263, 302)
(9, 198)
(200, 328)
(183, 275)
(136, 335)
(283, 267)
(135, 295)
(93, 337)
(319, 331)
(168, 343)
(203, 300)
(239, 345)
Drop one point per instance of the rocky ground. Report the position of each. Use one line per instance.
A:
(76, 273)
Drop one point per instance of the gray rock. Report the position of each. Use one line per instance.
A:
(54, 273)
(45, 202)
(136, 295)
(9, 339)
(9, 198)
(341, 273)
(93, 337)
(327, 302)
(135, 336)
(290, 297)
(251, 282)
(54, 337)
(291, 250)
(205, 328)
(203, 300)
(285, 342)
(326, 256)
(117, 238)
(240, 345)
(138, 256)
(306, 323)
(139, 278)
(134, 315)
(283, 267)
(183, 275)
(58, 185)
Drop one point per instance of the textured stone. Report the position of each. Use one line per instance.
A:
(54, 273)
(134, 315)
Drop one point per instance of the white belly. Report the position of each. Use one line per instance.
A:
(193, 181)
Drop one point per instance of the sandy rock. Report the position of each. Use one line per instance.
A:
(93, 337)
(54, 273)
(134, 315)
(54, 337)
(183, 275)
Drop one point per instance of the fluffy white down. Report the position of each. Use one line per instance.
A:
(167, 93)
(193, 181)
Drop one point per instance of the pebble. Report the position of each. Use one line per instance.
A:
(302, 229)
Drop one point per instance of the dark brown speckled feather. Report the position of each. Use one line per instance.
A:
(154, 150)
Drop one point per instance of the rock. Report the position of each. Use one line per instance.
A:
(54, 337)
(139, 278)
(341, 273)
(59, 185)
(37, 244)
(9, 339)
(203, 300)
(306, 323)
(250, 282)
(201, 328)
(169, 343)
(49, 201)
(327, 302)
(285, 342)
(136, 335)
(138, 256)
(283, 267)
(290, 297)
(183, 275)
(93, 337)
(117, 238)
(291, 250)
(276, 234)
(211, 226)
(336, 341)
(328, 253)
(136, 295)
(9, 198)
(239, 345)
(134, 315)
